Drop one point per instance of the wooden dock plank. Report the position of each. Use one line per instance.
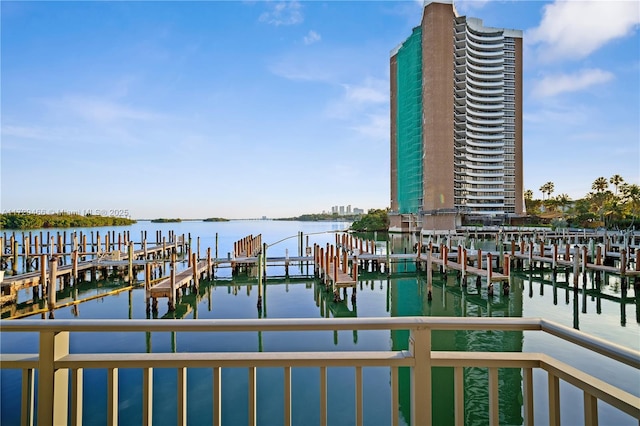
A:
(182, 278)
(471, 270)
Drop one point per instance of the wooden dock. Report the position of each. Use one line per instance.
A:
(53, 272)
(464, 269)
(246, 252)
(578, 258)
(337, 266)
(176, 282)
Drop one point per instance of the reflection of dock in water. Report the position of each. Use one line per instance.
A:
(68, 296)
(330, 308)
(596, 289)
(188, 302)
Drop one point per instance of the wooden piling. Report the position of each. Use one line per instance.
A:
(194, 266)
(130, 252)
(429, 273)
(576, 265)
(465, 264)
(172, 293)
(51, 287)
(14, 261)
(507, 266)
(74, 265)
(585, 259)
(43, 272)
(489, 269)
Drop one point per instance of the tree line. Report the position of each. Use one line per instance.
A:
(21, 220)
(601, 207)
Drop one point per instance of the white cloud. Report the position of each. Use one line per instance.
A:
(24, 132)
(312, 37)
(371, 91)
(552, 85)
(375, 126)
(99, 110)
(575, 29)
(358, 99)
(464, 6)
(283, 13)
(330, 65)
(364, 107)
(291, 68)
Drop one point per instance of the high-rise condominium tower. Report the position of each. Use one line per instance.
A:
(456, 122)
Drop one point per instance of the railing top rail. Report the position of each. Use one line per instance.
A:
(622, 354)
(273, 324)
(596, 344)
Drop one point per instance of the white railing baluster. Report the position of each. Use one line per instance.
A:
(359, 405)
(76, 396)
(287, 396)
(420, 348)
(252, 396)
(458, 389)
(182, 396)
(395, 397)
(554, 400)
(147, 396)
(217, 396)
(27, 404)
(56, 366)
(590, 410)
(112, 396)
(323, 396)
(53, 384)
(528, 396)
(494, 410)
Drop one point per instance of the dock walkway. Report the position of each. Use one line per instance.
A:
(50, 270)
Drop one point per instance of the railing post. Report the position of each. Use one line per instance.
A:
(53, 384)
(576, 265)
(147, 396)
(77, 386)
(554, 400)
(28, 396)
(590, 410)
(420, 348)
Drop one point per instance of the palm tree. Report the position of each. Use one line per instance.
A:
(547, 188)
(600, 184)
(528, 194)
(616, 180)
(563, 200)
(543, 189)
(631, 198)
(550, 188)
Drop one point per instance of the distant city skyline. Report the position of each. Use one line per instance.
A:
(278, 109)
(344, 210)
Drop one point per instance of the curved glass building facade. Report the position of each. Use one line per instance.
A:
(468, 161)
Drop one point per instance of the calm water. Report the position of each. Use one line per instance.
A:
(597, 311)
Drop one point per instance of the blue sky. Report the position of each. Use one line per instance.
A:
(266, 108)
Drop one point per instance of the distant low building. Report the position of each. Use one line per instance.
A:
(346, 210)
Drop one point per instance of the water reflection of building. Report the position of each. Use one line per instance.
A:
(408, 298)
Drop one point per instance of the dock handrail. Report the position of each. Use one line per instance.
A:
(54, 363)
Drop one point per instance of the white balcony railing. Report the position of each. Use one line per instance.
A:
(60, 373)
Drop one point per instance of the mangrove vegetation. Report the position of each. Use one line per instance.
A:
(24, 220)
